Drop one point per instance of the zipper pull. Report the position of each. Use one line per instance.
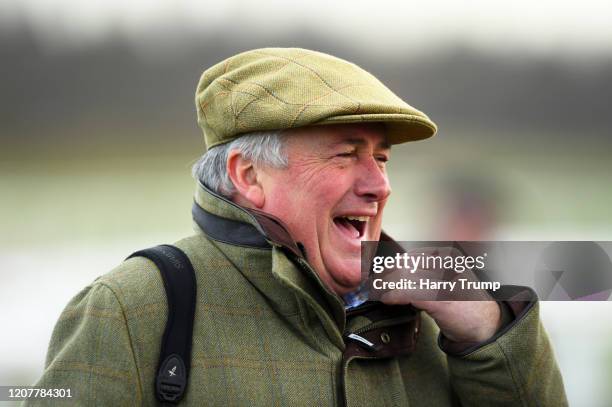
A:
(361, 341)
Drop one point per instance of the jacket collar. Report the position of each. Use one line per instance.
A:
(224, 221)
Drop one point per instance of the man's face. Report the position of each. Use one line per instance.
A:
(331, 196)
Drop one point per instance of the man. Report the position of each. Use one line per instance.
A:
(293, 181)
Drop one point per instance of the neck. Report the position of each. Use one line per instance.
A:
(240, 200)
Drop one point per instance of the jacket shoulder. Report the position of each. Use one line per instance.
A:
(137, 282)
(91, 351)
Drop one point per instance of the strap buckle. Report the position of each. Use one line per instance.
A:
(171, 379)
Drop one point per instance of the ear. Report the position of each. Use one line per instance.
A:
(244, 176)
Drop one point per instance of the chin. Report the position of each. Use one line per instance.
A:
(348, 275)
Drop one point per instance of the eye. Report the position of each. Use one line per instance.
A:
(382, 158)
(345, 154)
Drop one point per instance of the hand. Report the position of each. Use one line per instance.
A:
(461, 321)
(475, 319)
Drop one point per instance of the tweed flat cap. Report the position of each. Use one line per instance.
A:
(283, 88)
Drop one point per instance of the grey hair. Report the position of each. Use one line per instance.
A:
(262, 148)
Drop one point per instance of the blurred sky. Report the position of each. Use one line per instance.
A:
(547, 26)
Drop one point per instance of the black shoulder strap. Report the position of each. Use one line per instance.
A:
(175, 355)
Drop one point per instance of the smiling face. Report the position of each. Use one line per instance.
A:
(331, 196)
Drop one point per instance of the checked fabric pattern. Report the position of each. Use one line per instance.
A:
(282, 88)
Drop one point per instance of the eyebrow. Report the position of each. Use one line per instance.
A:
(361, 142)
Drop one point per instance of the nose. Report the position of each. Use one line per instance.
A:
(372, 181)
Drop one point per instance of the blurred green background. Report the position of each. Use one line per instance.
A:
(98, 136)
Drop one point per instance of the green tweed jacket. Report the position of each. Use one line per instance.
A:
(268, 333)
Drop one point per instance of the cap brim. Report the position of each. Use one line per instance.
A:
(401, 128)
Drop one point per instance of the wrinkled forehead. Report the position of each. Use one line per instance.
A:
(326, 136)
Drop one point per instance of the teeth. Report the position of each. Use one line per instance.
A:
(359, 218)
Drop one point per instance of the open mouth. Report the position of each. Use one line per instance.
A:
(353, 226)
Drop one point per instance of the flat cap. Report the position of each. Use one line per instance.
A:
(284, 88)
